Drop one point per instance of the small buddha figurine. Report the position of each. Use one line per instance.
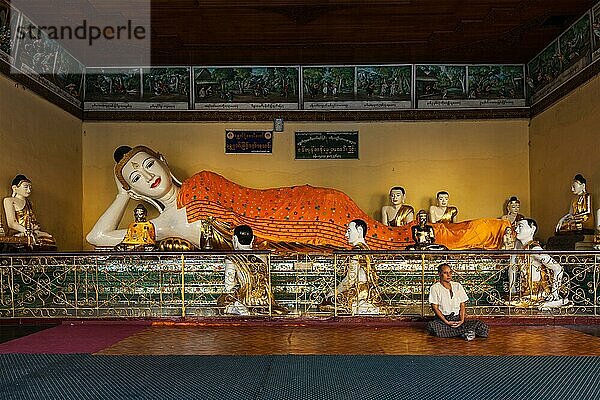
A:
(398, 213)
(509, 239)
(140, 234)
(20, 217)
(442, 212)
(580, 218)
(513, 206)
(423, 235)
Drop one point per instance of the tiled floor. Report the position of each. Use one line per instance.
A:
(252, 340)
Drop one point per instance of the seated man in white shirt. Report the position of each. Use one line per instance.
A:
(447, 300)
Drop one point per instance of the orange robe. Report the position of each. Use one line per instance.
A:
(313, 216)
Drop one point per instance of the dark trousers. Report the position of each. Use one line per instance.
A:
(438, 328)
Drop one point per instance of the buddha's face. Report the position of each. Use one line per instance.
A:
(353, 234)
(23, 189)
(139, 215)
(422, 218)
(514, 207)
(524, 231)
(147, 175)
(443, 200)
(577, 187)
(397, 197)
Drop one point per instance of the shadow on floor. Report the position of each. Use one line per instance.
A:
(10, 332)
(593, 330)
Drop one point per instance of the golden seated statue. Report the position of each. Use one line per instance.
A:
(140, 234)
(24, 231)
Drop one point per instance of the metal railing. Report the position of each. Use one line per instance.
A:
(154, 284)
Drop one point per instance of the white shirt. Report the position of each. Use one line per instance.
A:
(439, 295)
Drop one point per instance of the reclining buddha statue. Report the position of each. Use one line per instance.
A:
(297, 218)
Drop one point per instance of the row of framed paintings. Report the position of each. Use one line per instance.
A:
(375, 87)
(40, 58)
(330, 87)
(576, 48)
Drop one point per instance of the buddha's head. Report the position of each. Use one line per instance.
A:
(443, 198)
(513, 206)
(356, 231)
(21, 186)
(578, 184)
(422, 217)
(397, 195)
(144, 174)
(243, 237)
(525, 230)
(140, 213)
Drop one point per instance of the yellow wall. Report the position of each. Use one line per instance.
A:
(43, 142)
(564, 141)
(481, 163)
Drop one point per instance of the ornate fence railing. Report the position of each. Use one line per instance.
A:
(153, 284)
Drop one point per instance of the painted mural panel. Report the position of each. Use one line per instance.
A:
(542, 71)
(575, 47)
(36, 52)
(441, 86)
(561, 60)
(64, 77)
(112, 89)
(46, 62)
(9, 18)
(383, 87)
(491, 86)
(166, 88)
(246, 88)
(328, 88)
(596, 31)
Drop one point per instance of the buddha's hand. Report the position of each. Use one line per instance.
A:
(120, 189)
(42, 234)
(122, 192)
(133, 195)
(561, 221)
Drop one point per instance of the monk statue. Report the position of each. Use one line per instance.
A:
(442, 212)
(542, 276)
(424, 235)
(398, 213)
(358, 292)
(247, 283)
(299, 218)
(513, 206)
(141, 235)
(20, 217)
(580, 218)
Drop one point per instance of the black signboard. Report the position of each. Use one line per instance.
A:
(240, 142)
(326, 145)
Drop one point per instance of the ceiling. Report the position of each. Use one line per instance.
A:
(276, 32)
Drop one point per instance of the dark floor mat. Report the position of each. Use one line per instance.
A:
(84, 376)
